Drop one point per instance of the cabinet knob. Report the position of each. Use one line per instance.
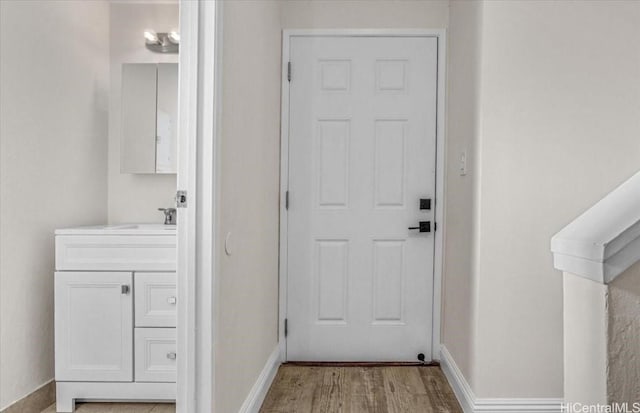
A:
(171, 355)
(171, 300)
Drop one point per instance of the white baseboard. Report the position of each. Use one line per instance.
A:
(471, 404)
(456, 379)
(39, 399)
(256, 396)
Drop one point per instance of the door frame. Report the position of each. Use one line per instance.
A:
(199, 119)
(440, 35)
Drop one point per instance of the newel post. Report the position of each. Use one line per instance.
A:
(598, 254)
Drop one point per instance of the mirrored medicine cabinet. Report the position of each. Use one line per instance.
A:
(149, 118)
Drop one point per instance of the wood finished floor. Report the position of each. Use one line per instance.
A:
(330, 389)
(320, 389)
(119, 408)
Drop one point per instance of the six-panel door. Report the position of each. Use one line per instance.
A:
(94, 326)
(362, 152)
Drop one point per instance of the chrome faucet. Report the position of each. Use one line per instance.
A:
(169, 215)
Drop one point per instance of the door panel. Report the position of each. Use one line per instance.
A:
(361, 155)
(331, 277)
(389, 169)
(93, 326)
(388, 280)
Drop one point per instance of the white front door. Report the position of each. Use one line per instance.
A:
(362, 152)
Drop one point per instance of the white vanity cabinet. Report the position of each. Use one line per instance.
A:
(115, 314)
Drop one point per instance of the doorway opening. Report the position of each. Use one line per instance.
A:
(361, 181)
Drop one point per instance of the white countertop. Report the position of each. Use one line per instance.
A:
(120, 229)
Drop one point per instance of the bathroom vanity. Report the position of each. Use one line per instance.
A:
(115, 314)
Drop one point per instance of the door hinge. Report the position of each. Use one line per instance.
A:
(435, 226)
(286, 327)
(181, 199)
(289, 71)
(286, 200)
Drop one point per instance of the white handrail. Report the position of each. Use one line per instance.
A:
(604, 241)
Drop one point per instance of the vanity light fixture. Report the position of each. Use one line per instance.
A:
(174, 37)
(162, 42)
(150, 36)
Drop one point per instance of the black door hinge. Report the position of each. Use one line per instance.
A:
(435, 226)
(286, 327)
(289, 71)
(286, 200)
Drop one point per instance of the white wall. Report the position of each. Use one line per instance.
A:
(53, 166)
(372, 14)
(135, 197)
(247, 308)
(463, 128)
(559, 130)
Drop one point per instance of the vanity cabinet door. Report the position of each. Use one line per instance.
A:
(94, 326)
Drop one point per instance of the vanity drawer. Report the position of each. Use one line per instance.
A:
(115, 252)
(155, 299)
(155, 355)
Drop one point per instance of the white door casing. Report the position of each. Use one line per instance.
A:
(199, 114)
(361, 154)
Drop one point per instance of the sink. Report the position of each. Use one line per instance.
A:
(120, 229)
(112, 227)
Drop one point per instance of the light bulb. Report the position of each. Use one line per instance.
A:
(174, 37)
(150, 36)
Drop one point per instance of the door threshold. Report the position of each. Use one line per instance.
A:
(362, 363)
